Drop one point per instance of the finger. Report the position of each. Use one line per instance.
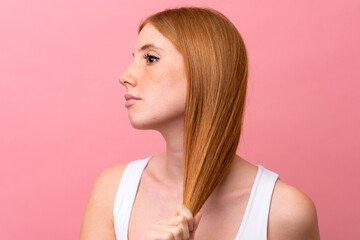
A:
(156, 234)
(176, 232)
(181, 209)
(178, 221)
(170, 221)
(174, 221)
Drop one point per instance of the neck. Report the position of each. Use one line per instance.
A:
(171, 162)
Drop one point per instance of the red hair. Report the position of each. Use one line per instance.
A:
(216, 64)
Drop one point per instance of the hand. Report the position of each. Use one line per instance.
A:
(181, 226)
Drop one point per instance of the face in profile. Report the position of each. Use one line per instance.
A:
(157, 77)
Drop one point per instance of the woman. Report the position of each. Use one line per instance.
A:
(188, 81)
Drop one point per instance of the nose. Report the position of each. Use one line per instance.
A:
(127, 78)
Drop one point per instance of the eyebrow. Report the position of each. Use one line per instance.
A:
(149, 45)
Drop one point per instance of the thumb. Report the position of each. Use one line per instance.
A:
(197, 219)
(196, 224)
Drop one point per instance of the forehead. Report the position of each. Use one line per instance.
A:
(150, 35)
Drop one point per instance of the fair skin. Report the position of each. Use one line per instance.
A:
(160, 82)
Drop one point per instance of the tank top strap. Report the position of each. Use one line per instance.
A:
(255, 221)
(125, 196)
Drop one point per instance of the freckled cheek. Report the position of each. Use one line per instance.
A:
(159, 86)
(162, 88)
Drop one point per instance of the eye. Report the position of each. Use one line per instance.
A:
(150, 58)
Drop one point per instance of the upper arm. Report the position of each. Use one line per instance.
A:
(98, 220)
(292, 215)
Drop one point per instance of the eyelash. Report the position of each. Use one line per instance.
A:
(148, 56)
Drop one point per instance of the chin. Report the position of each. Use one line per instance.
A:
(154, 122)
(141, 124)
(157, 126)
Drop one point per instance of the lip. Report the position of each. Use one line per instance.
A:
(130, 100)
(129, 96)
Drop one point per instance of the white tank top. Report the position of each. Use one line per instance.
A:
(252, 227)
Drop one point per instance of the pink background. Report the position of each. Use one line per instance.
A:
(63, 120)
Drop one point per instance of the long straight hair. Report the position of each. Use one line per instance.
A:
(216, 65)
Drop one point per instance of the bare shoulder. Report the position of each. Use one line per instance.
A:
(98, 222)
(292, 214)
